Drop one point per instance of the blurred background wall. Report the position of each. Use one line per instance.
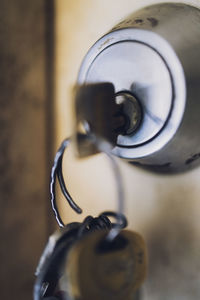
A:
(165, 209)
(26, 44)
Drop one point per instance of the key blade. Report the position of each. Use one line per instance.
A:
(97, 112)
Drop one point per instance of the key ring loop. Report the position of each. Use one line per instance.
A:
(57, 172)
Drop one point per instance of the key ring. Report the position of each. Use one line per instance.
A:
(57, 172)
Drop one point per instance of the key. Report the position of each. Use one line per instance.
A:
(97, 112)
(98, 269)
(50, 268)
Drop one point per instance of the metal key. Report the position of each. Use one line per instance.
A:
(97, 112)
(99, 269)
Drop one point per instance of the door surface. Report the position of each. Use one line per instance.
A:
(164, 209)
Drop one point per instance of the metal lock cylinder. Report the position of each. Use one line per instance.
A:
(152, 59)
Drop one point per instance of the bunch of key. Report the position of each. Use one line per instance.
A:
(81, 262)
(96, 259)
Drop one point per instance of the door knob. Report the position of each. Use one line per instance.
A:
(152, 60)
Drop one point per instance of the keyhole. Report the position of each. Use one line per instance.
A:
(131, 109)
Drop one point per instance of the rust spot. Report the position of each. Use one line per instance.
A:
(105, 43)
(153, 21)
(129, 21)
(138, 21)
(192, 158)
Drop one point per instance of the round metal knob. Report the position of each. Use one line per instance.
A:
(154, 55)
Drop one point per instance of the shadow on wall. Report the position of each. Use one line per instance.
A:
(174, 250)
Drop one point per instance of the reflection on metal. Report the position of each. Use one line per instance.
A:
(154, 56)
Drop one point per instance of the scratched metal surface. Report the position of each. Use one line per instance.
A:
(166, 210)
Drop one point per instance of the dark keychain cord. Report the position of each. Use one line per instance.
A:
(58, 173)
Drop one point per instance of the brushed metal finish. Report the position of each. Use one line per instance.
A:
(154, 54)
(136, 67)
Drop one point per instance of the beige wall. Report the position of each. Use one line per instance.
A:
(166, 210)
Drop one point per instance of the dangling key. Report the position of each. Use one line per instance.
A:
(99, 269)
